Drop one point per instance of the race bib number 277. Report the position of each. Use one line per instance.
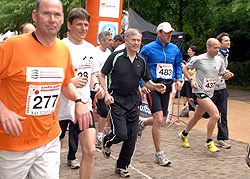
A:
(42, 100)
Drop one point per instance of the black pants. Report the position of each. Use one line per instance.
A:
(220, 100)
(73, 137)
(124, 116)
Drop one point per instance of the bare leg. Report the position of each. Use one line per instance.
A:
(101, 124)
(158, 122)
(87, 140)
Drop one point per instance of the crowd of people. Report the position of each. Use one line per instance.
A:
(49, 85)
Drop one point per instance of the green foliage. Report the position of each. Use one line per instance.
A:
(241, 74)
(201, 20)
(14, 13)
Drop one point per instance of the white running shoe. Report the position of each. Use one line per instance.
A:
(73, 164)
(184, 111)
(161, 159)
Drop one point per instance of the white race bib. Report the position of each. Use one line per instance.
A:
(42, 100)
(209, 84)
(82, 70)
(164, 71)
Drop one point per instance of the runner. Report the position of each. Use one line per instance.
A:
(85, 67)
(124, 69)
(35, 68)
(164, 60)
(208, 66)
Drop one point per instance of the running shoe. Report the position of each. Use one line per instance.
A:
(73, 164)
(184, 140)
(248, 155)
(171, 120)
(122, 172)
(211, 147)
(98, 143)
(222, 144)
(161, 159)
(184, 111)
(140, 128)
(105, 150)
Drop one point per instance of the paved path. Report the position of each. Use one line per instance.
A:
(194, 162)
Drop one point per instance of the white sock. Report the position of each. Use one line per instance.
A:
(99, 135)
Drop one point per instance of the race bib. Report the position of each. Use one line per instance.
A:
(42, 100)
(164, 71)
(82, 70)
(209, 84)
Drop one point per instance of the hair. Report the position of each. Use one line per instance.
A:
(103, 35)
(22, 26)
(131, 31)
(194, 49)
(209, 41)
(39, 1)
(78, 13)
(220, 36)
(118, 37)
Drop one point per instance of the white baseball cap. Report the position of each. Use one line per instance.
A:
(165, 26)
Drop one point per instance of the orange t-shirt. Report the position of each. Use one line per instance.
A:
(31, 78)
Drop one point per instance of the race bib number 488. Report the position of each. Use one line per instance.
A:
(42, 100)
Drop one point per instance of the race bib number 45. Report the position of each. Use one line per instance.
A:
(164, 71)
(42, 100)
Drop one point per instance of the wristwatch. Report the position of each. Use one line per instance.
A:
(190, 80)
(82, 100)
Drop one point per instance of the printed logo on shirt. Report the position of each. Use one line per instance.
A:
(44, 74)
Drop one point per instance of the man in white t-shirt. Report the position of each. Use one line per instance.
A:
(102, 53)
(85, 67)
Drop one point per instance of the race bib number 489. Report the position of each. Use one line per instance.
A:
(164, 71)
(42, 100)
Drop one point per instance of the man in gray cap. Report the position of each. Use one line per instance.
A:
(164, 60)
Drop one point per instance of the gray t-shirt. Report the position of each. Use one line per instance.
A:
(222, 84)
(207, 72)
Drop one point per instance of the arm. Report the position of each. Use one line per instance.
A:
(155, 86)
(10, 121)
(194, 84)
(108, 98)
(82, 113)
(97, 88)
(80, 82)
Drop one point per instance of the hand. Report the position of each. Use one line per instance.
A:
(178, 85)
(82, 116)
(145, 90)
(108, 99)
(227, 75)
(80, 82)
(99, 91)
(160, 88)
(10, 122)
(194, 84)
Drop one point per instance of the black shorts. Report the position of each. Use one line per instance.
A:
(64, 125)
(102, 108)
(200, 96)
(158, 102)
(186, 90)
